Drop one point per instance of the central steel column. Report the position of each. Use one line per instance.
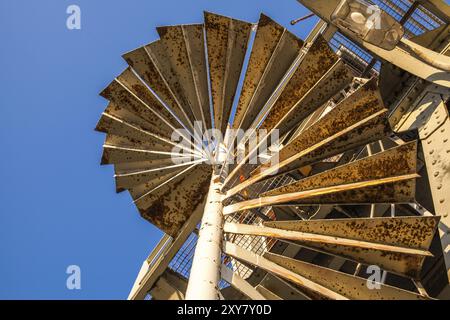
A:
(205, 271)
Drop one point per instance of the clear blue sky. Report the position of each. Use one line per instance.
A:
(57, 204)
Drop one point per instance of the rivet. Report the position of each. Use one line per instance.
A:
(436, 174)
(445, 140)
(429, 141)
(443, 130)
(439, 187)
(442, 200)
(434, 162)
(432, 151)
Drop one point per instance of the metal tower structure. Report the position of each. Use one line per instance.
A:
(356, 180)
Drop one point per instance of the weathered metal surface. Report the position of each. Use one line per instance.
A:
(176, 59)
(227, 41)
(136, 87)
(249, 257)
(398, 245)
(142, 63)
(434, 135)
(385, 190)
(278, 233)
(194, 36)
(360, 106)
(357, 120)
(335, 80)
(113, 154)
(311, 85)
(125, 94)
(158, 51)
(397, 161)
(125, 102)
(266, 68)
(141, 132)
(412, 232)
(352, 287)
(169, 206)
(319, 59)
(146, 188)
(131, 179)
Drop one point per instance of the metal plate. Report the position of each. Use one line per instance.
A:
(124, 99)
(398, 245)
(194, 36)
(134, 85)
(357, 120)
(335, 80)
(132, 179)
(397, 161)
(352, 287)
(141, 62)
(176, 58)
(319, 59)
(249, 257)
(266, 69)
(169, 206)
(412, 232)
(227, 41)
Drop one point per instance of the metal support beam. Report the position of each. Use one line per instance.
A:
(240, 284)
(151, 271)
(205, 271)
(263, 263)
(170, 286)
(436, 149)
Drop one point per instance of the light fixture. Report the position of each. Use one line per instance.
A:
(368, 22)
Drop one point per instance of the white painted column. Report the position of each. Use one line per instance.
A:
(205, 272)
